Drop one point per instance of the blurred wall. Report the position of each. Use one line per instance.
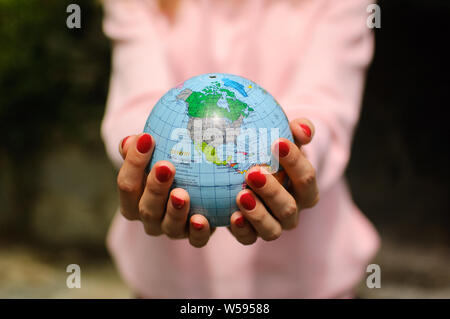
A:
(57, 186)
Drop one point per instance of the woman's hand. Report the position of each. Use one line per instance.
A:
(145, 197)
(268, 207)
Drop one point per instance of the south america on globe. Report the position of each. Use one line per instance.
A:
(213, 128)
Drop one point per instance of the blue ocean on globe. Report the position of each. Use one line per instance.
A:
(213, 128)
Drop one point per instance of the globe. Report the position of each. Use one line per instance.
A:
(213, 128)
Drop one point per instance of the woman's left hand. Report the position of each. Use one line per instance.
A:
(268, 207)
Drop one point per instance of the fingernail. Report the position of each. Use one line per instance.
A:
(124, 141)
(283, 149)
(197, 226)
(163, 173)
(144, 143)
(248, 201)
(257, 179)
(240, 221)
(177, 202)
(306, 129)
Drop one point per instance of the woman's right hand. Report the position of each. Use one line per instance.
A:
(145, 197)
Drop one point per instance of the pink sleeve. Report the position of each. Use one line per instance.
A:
(139, 71)
(328, 83)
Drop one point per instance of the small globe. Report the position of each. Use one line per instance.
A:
(213, 128)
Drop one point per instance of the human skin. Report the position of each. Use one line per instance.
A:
(265, 210)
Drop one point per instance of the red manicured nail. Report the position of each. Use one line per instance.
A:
(306, 129)
(197, 226)
(257, 179)
(176, 201)
(144, 143)
(240, 221)
(283, 149)
(124, 141)
(163, 173)
(248, 201)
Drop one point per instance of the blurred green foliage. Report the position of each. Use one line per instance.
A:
(54, 79)
(53, 83)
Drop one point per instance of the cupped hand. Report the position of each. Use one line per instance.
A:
(268, 207)
(148, 197)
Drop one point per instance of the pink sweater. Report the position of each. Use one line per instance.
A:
(311, 55)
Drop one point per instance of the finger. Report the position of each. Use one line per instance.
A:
(174, 221)
(123, 145)
(303, 131)
(199, 231)
(254, 212)
(153, 202)
(300, 171)
(274, 195)
(130, 179)
(242, 230)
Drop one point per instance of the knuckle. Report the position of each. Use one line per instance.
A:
(273, 235)
(272, 193)
(309, 178)
(136, 161)
(146, 214)
(290, 161)
(156, 189)
(126, 185)
(289, 210)
(256, 218)
(175, 217)
(143, 212)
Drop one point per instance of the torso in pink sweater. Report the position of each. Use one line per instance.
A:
(311, 55)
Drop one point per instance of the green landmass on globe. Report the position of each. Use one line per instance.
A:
(205, 104)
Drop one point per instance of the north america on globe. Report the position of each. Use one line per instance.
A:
(213, 128)
(218, 108)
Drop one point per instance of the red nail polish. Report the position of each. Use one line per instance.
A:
(257, 179)
(124, 141)
(197, 226)
(248, 201)
(176, 201)
(144, 143)
(163, 173)
(240, 221)
(306, 129)
(283, 149)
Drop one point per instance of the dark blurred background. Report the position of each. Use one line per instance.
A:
(57, 187)
(399, 169)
